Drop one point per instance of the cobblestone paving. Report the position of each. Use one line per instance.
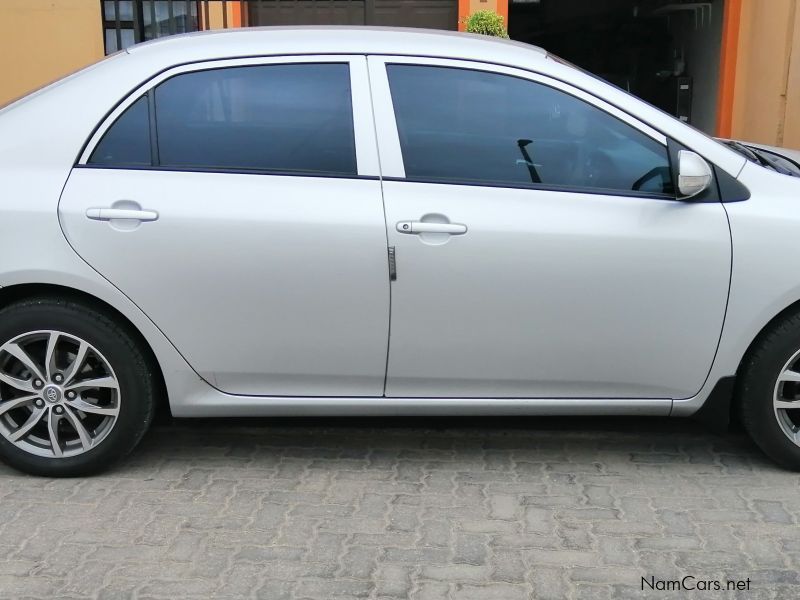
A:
(482, 509)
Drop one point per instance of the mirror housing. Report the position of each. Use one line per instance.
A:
(694, 174)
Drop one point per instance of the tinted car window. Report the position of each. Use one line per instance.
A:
(127, 141)
(464, 125)
(275, 118)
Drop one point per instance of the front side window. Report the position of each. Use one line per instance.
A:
(288, 118)
(460, 125)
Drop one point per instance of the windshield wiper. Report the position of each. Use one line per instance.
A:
(745, 151)
(760, 158)
(769, 160)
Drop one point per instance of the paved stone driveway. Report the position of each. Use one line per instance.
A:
(429, 510)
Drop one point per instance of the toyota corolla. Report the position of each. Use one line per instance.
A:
(330, 221)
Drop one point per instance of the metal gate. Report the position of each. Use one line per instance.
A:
(433, 14)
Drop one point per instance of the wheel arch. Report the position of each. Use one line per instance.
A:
(24, 291)
(794, 307)
(720, 408)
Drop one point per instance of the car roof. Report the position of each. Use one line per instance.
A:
(249, 41)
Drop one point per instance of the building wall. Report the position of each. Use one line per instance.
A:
(791, 130)
(217, 18)
(766, 98)
(42, 40)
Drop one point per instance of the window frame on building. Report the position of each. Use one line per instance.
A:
(114, 25)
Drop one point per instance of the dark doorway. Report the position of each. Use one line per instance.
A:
(663, 52)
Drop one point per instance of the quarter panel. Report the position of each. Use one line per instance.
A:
(765, 281)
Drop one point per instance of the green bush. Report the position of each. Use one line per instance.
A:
(486, 22)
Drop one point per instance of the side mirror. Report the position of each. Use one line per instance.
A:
(694, 174)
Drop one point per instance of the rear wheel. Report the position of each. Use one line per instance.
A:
(769, 392)
(76, 393)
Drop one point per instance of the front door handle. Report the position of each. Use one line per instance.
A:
(426, 227)
(113, 214)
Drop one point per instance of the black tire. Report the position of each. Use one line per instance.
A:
(756, 387)
(137, 387)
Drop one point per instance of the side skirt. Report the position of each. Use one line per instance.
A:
(216, 404)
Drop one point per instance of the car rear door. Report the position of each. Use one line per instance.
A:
(238, 204)
(540, 252)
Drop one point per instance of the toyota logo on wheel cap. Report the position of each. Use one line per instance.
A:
(52, 394)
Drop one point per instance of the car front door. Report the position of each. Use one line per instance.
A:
(238, 204)
(540, 250)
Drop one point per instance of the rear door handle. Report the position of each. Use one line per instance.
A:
(109, 214)
(425, 227)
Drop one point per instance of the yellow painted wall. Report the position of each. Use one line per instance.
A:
(791, 131)
(766, 102)
(42, 40)
(216, 18)
(476, 5)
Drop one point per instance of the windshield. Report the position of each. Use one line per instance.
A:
(766, 158)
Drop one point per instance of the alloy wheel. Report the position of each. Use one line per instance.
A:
(59, 396)
(786, 398)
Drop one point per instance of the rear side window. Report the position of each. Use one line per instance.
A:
(284, 118)
(127, 142)
(461, 125)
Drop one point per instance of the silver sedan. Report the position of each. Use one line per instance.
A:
(329, 221)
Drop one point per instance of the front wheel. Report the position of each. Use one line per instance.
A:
(769, 392)
(76, 393)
